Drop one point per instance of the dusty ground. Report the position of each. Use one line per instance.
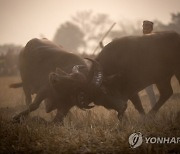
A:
(94, 131)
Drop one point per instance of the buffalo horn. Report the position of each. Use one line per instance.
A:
(97, 77)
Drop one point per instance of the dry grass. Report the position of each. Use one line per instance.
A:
(94, 131)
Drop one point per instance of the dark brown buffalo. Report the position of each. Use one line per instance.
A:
(135, 62)
(130, 64)
(36, 61)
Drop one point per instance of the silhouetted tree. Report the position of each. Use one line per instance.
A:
(70, 36)
(173, 25)
(93, 26)
(9, 59)
(85, 30)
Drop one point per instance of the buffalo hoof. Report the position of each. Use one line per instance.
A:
(57, 121)
(18, 118)
(142, 114)
(122, 117)
(39, 120)
(151, 114)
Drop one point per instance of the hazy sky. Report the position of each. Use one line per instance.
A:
(21, 20)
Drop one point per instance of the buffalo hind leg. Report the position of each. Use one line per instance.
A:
(165, 91)
(28, 98)
(137, 103)
(33, 106)
(178, 77)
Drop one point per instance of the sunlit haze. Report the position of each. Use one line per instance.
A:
(21, 20)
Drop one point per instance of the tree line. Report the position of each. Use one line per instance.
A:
(81, 34)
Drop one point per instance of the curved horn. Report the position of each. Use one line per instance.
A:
(78, 68)
(97, 72)
(60, 71)
(75, 69)
(79, 73)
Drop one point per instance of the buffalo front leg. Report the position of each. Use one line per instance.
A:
(137, 103)
(165, 91)
(121, 108)
(116, 103)
(37, 101)
(113, 101)
(61, 113)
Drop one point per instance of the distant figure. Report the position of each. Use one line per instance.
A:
(147, 29)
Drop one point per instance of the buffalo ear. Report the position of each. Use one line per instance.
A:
(53, 78)
(60, 71)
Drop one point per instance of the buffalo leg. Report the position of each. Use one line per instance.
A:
(151, 95)
(49, 106)
(117, 104)
(61, 113)
(121, 108)
(165, 91)
(178, 77)
(28, 98)
(37, 101)
(137, 103)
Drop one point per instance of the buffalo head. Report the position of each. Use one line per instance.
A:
(80, 84)
(86, 85)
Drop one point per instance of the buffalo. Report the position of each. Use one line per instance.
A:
(123, 68)
(130, 64)
(139, 61)
(38, 59)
